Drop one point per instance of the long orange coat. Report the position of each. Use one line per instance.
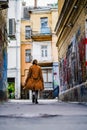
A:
(34, 79)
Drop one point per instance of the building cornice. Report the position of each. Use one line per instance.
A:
(42, 9)
(68, 16)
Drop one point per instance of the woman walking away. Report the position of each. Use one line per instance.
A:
(34, 80)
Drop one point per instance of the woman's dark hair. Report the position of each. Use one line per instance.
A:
(35, 62)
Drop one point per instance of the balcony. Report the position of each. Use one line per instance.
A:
(3, 4)
(44, 34)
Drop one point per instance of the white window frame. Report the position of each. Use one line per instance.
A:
(44, 51)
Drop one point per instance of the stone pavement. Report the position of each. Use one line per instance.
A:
(48, 114)
(26, 109)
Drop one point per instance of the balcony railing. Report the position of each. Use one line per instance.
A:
(42, 34)
(42, 31)
(45, 30)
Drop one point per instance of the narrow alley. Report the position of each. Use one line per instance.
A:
(53, 37)
(48, 114)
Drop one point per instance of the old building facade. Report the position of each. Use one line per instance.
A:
(3, 49)
(13, 49)
(71, 29)
(38, 41)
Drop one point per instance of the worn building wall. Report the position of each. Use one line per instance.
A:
(48, 39)
(24, 66)
(13, 49)
(71, 44)
(60, 5)
(35, 24)
(80, 24)
(3, 55)
(54, 16)
(24, 23)
(25, 44)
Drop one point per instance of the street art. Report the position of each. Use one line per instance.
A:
(72, 68)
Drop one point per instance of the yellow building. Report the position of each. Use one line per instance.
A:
(38, 41)
(71, 29)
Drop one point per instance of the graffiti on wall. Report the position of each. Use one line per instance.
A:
(72, 67)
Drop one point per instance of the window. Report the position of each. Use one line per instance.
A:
(26, 14)
(44, 22)
(27, 32)
(44, 51)
(28, 57)
(12, 27)
(47, 75)
(44, 26)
